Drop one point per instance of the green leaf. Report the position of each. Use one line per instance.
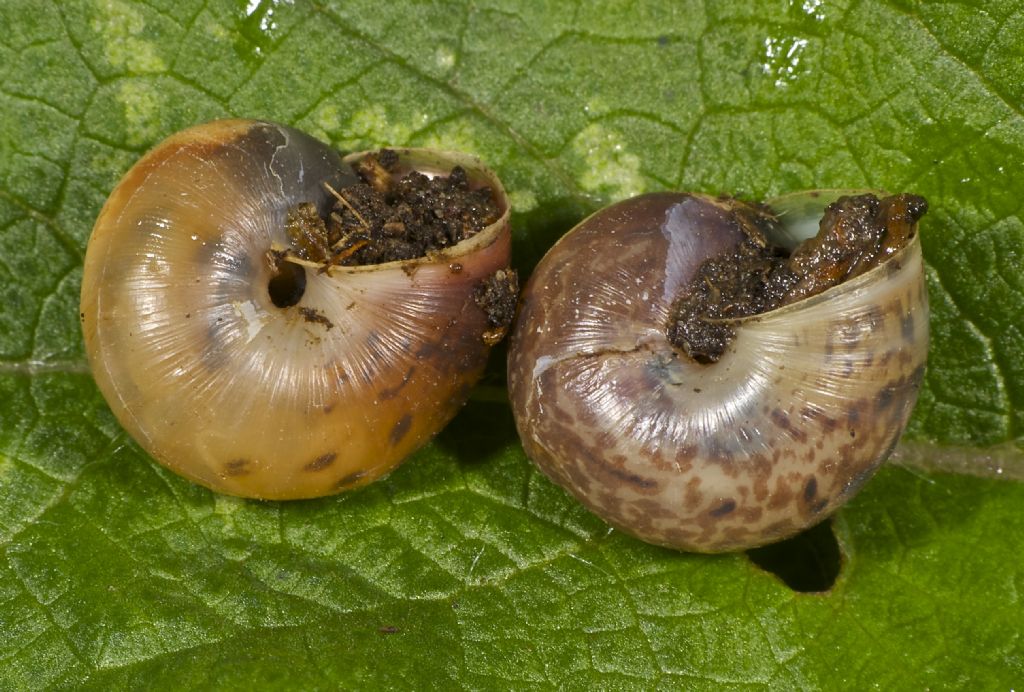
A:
(466, 567)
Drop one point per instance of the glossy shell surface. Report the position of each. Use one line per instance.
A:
(806, 403)
(242, 396)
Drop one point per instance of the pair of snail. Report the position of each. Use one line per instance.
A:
(226, 385)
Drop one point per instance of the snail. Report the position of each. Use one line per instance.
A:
(702, 441)
(234, 344)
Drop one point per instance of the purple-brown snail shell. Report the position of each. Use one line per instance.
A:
(802, 407)
(234, 389)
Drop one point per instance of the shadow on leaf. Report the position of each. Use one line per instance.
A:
(809, 562)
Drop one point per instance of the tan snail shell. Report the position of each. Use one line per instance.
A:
(226, 388)
(807, 401)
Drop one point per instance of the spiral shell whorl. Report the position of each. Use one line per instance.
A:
(240, 395)
(805, 404)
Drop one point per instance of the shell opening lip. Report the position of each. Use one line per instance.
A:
(434, 162)
(840, 238)
(799, 214)
(867, 277)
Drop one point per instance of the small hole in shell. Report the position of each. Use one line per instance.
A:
(809, 562)
(288, 285)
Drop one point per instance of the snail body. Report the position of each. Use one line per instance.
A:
(802, 407)
(265, 378)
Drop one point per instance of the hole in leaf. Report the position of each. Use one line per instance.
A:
(287, 285)
(808, 562)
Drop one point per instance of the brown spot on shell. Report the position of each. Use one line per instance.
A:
(885, 397)
(751, 514)
(725, 508)
(571, 475)
(810, 489)
(400, 428)
(600, 467)
(781, 496)
(237, 467)
(321, 462)
(694, 496)
(392, 392)
(810, 413)
(908, 328)
(350, 480)
(780, 419)
(854, 415)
